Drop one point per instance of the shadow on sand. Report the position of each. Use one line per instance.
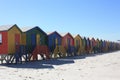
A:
(41, 64)
(48, 64)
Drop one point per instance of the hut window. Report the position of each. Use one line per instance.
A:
(0, 38)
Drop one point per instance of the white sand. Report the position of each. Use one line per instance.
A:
(94, 67)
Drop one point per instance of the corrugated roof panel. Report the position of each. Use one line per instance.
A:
(24, 29)
(48, 33)
(62, 34)
(74, 35)
(6, 27)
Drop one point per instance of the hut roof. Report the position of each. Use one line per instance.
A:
(68, 34)
(5, 27)
(49, 33)
(63, 34)
(75, 35)
(8, 27)
(26, 29)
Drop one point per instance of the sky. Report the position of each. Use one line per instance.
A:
(89, 18)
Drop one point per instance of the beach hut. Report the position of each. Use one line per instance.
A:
(98, 45)
(88, 46)
(35, 40)
(101, 45)
(110, 46)
(78, 44)
(10, 40)
(117, 46)
(85, 44)
(55, 44)
(107, 46)
(114, 46)
(68, 43)
(93, 45)
(104, 46)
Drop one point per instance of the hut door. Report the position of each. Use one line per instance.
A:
(53, 43)
(56, 41)
(77, 43)
(33, 40)
(88, 43)
(17, 41)
(68, 41)
(38, 39)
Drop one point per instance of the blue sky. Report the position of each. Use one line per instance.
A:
(90, 18)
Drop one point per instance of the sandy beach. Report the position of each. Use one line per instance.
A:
(102, 66)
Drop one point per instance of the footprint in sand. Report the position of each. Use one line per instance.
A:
(16, 71)
(20, 75)
(107, 65)
(30, 77)
(81, 76)
(92, 67)
(47, 72)
(115, 63)
(79, 69)
(41, 73)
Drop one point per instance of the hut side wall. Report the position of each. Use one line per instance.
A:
(23, 39)
(4, 44)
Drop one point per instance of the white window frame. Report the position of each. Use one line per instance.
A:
(0, 38)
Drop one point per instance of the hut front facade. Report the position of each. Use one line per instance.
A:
(78, 44)
(93, 41)
(55, 45)
(33, 37)
(85, 44)
(54, 39)
(36, 42)
(67, 40)
(68, 44)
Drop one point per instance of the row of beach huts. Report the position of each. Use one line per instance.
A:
(19, 45)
